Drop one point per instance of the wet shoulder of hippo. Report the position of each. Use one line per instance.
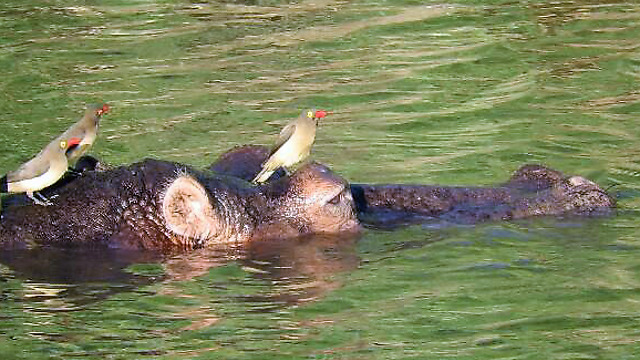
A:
(91, 208)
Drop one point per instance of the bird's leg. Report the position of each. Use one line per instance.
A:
(46, 200)
(42, 201)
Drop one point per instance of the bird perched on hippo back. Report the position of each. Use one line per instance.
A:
(52, 162)
(293, 144)
(42, 171)
(86, 129)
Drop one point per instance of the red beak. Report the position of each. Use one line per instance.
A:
(105, 109)
(321, 113)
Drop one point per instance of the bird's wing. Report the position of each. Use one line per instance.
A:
(74, 131)
(31, 169)
(76, 151)
(285, 135)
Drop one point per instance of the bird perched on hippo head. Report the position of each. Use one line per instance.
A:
(293, 144)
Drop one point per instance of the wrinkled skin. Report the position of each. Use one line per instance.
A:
(166, 206)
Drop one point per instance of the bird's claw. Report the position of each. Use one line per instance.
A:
(43, 201)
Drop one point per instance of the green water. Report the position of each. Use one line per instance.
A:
(428, 92)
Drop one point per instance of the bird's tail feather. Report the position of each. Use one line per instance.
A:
(4, 184)
(263, 175)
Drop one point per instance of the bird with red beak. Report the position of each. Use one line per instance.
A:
(42, 171)
(86, 129)
(293, 144)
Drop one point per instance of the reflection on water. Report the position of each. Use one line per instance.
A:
(64, 280)
(421, 92)
(300, 268)
(262, 278)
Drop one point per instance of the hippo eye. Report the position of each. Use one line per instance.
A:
(336, 199)
(63, 144)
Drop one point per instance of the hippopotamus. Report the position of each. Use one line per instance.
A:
(163, 205)
(166, 206)
(533, 190)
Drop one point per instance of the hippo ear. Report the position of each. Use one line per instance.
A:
(188, 211)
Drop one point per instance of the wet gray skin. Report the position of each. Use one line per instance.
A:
(533, 190)
(167, 206)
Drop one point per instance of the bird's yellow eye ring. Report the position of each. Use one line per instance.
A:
(63, 144)
(310, 114)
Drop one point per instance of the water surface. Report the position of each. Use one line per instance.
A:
(455, 93)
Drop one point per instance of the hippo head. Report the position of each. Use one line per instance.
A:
(316, 200)
(219, 210)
